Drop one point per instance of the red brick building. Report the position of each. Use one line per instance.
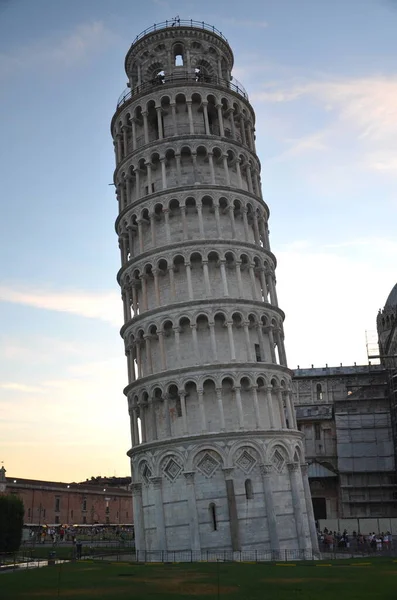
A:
(50, 502)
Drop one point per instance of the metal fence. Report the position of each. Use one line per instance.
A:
(177, 22)
(183, 77)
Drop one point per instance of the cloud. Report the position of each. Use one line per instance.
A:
(68, 50)
(331, 295)
(361, 110)
(105, 306)
(21, 387)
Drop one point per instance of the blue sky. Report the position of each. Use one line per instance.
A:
(323, 81)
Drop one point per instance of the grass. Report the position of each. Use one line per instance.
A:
(371, 579)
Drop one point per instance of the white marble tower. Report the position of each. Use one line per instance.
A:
(217, 460)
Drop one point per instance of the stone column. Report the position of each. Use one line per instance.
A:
(248, 342)
(174, 122)
(220, 120)
(309, 508)
(269, 390)
(139, 525)
(239, 280)
(232, 508)
(140, 235)
(153, 418)
(232, 221)
(217, 220)
(148, 166)
(134, 298)
(128, 189)
(239, 404)
(193, 327)
(232, 123)
(159, 122)
(263, 283)
(211, 325)
(206, 279)
(184, 223)
(226, 169)
(145, 126)
(200, 394)
(156, 286)
(200, 218)
(177, 332)
(291, 409)
(163, 173)
(130, 232)
(253, 281)
(261, 342)
(294, 473)
(220, 407)
(238, 168)
(159, 513)
(189, 280)
(256, 230)
(162, 350)
(133, 134)
(231, 340)
(192, 512)
(281, 408)
(119, 138)
(137, 183)
(132, 430)
(166, 213)
(167, 415)
(148, 357)
(271, 343)
(190, 116)
(224, 278)
(135, 423)
(258, 420)
(138, 358)
(182, 399)
(245, 223)
(266, 472)
(206, 122)
(178, 167)
(242, 130)
(212, 170)
(172, 282)
(142, 414)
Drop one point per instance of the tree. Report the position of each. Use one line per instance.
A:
(11, 522)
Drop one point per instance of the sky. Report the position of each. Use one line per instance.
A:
(322, 78)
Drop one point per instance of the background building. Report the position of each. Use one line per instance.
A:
(217, 460)
(53, 503)
(348, 416)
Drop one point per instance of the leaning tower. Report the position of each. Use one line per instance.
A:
(217, 460)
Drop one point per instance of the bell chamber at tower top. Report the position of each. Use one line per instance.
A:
(179, 52)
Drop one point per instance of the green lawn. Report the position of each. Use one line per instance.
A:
(370, 579)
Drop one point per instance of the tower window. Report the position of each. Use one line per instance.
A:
(319, 391)
(212, 509)
(178, 55)
(249, 493)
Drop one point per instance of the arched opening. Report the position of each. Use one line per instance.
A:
(249, 493)
(178, 51)
(212, 511)
(319, 391)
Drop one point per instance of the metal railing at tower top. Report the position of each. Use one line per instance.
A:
(179, 23)
(178, 78)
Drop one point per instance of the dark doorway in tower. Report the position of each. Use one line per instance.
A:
(319, 508)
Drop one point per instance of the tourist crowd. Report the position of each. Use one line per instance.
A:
(376, 542)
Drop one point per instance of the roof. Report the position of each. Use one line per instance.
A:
(392, 298)
(18, 482)
(316, 470)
